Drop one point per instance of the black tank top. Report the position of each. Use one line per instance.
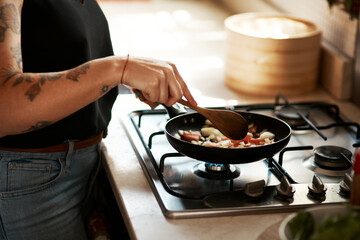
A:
(58, 35)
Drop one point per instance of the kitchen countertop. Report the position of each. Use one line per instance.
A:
(190, 34)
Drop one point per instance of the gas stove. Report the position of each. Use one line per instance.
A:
(313, 169)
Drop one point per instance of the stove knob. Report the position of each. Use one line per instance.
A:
(285, 189)
(345, 185)
(317, 187)
(254, 189)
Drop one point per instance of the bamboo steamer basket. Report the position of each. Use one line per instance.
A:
(269, 54)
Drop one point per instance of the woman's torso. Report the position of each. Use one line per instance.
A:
(58, 35)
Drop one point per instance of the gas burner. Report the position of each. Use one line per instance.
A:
(216, 167)
(332, 157)
(289, 115)
(216, 171)
(330, 161)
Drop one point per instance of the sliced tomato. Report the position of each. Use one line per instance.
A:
(257, 141)
(246, 138)
(237, 142)
(191, 136)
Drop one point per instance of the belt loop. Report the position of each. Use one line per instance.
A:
(68, 154)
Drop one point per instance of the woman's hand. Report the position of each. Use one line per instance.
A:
(158, 81)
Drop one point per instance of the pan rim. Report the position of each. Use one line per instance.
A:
(209, 147)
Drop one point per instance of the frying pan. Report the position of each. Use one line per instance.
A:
(195, 121)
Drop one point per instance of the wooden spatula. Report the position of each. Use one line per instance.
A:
(229, 123)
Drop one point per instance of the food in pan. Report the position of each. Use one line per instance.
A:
(211, 137)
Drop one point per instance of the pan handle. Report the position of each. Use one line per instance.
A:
(175, 110)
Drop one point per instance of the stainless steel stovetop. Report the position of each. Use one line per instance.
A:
(290, 180)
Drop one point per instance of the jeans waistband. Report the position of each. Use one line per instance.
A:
(60, 147)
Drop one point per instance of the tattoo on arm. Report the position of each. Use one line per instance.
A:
(9, 19)
(105, 88)
(17, 55)
(38, 126)
(35, 88)
(22, 79)
(75, 73)
(33, 91)
(55, 76)
(36, 83)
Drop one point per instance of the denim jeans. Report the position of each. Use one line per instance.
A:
(42, 194)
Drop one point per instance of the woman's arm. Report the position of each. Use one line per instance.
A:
(29, 101)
